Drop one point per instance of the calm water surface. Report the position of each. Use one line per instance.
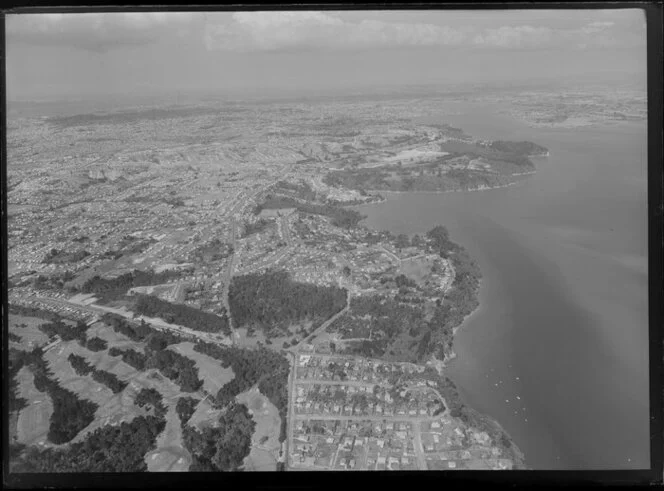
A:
(558, 350)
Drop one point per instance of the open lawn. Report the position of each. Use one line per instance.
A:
(204, 415)
(265, 444)
(33, 420)
(28, 329)
(277, 342)
(114, 339)
(417, 269)
(170, 455)
(210, 370)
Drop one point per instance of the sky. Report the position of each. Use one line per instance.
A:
(70, 55)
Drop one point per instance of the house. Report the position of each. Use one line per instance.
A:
(380, 442)
(435, 424)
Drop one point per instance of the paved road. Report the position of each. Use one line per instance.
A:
(154, 322)
(356, 383)
(291, 405)
(402, 418)
(325, 324)
(227, 281)
(419, 451)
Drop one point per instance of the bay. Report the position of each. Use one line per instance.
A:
(557, 352)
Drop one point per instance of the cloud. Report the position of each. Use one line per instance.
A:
(277, 31)
(96, 31)
(328, 31)
(282, 31)
(515, 37)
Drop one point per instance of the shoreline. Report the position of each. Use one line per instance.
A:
(470, 190)
(440, 365)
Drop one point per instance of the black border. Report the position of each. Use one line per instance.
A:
(333, 479)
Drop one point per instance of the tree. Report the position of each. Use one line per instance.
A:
(402, 241)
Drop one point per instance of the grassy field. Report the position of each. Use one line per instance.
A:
(33, 421)
(244, 341)
(210, 371)
(114, 339)
(170, 454)
(28, 329)
(265, 444)
(204, 415)
(417, 269)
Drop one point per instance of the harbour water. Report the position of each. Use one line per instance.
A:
(557, 352)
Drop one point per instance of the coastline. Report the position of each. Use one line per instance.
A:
(507, 442)
(470, 190)
(452, 355)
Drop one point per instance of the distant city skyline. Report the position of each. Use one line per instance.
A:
(65, 55)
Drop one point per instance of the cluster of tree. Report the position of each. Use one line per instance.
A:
(70, 413)
(523, 148)
(136, 115)
(128, 246)
(272, 299)
(172, 365)
(33, 312)
(53, 282)
(16, 362)
(460, 302)
(215, 250)
(153, 399)
(96, 344)
(254, 228)
(82, 367)
(55, 256)
(360, 179)
(181, 314)
(14, 337)
(263, 367)
(135, 332)
(301, 190)
(174, 202)
(221, 448)
(108, 449)
(439, 241)
(65, 331)
(176, 367)
(131, 357)
(108, 289)
(403, 281)
(340, 217)
(186, 407)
